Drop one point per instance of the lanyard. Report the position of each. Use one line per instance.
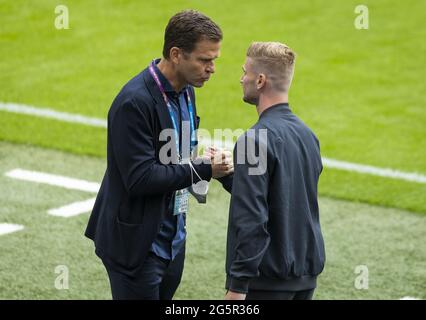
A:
(171, 113)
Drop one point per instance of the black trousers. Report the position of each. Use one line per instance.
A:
(158, 279)
(280, 295)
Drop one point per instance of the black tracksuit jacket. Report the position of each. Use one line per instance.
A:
(274, 237)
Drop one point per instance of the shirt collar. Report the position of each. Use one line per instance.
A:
(166, 84)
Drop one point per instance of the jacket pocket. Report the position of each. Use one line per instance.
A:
(128, 245)
(132, 211)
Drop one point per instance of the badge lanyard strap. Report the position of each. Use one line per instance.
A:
(171, 113)
(193, 169)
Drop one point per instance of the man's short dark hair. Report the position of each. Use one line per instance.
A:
(188, 27)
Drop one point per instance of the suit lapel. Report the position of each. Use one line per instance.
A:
(160, 106)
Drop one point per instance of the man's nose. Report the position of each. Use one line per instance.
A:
(210, 68)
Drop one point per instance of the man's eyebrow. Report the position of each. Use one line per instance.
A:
(208, 58)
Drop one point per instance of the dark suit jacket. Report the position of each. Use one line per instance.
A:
(137, 187)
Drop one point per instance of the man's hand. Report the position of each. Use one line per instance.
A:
(221, 162)
(230, 295)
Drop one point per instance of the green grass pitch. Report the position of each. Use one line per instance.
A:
(361, 91)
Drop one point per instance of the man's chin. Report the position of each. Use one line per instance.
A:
(197, 84)
(249, 100)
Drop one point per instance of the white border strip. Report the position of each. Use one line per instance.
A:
(330, 163)
(375, 171)
(6, 228)
(52, 114)
(54, 180)
(73, 209)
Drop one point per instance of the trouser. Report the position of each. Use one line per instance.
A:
(280, 295)
(158, 279)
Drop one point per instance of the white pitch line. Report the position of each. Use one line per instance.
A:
(347, 166)
(375, 171)
(52, 114)
(330, 163)
(55, 180)
(409, 298)
(6, 228)
(73, 209)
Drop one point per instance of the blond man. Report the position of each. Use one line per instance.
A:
(275, 248)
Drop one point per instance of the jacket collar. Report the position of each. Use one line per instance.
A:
(280, 107)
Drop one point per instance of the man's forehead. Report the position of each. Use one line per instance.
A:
(247, 63)
(210, 49)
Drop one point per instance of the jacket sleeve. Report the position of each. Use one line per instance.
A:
(227, 181)
(248, 215)
(132, 139)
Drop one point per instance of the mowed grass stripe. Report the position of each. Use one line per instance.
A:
(389, 242)
(90, 121)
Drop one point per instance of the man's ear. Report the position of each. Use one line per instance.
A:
(261, 81)
(175, 53)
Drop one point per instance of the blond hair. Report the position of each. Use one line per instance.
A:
(275, 60)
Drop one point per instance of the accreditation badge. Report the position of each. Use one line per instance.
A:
(181, 201)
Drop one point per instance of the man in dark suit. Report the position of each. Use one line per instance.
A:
(138, 220)
(275, 248)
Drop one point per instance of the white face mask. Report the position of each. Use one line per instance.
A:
(200, 189)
